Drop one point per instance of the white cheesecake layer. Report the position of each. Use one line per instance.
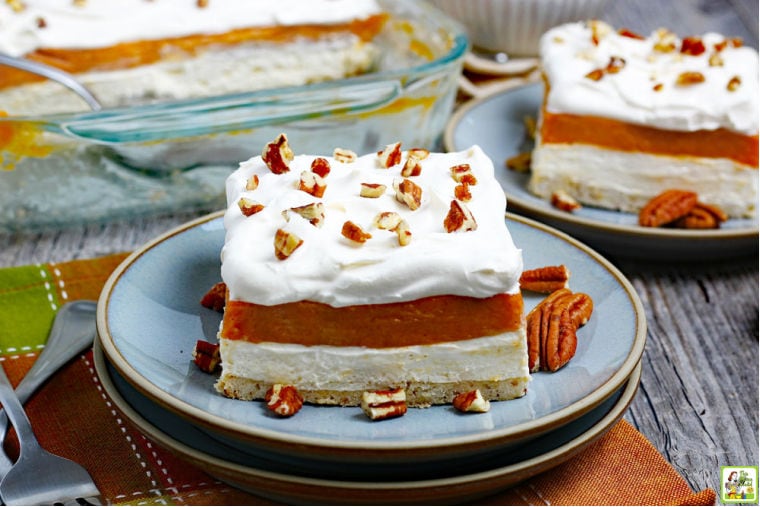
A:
(323, 368)
(210, 73)
(626, 181)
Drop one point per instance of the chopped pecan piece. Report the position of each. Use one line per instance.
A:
(355, 233)
(206, 356)
(520, 162)
(690, 78)
(564, 201)
(459, 218)
(734, 83)
(277, 155)
(666, 41)
(545, 279)
(389, 156)
(595, 75)
(462, 192)
(252, 183)
(462, 173)
(312, 183)
(471, 401)
(249, 207)
(625, 32)
(283, 400)
(403, 233)
(314, 213)
(388, 220)
(214, 298)
(412, 167)
(344, 155)
(692, 46)
(372, 190)
(320, 166)
(378, 405)
(285, 243)
(409, 193)
(667, 207)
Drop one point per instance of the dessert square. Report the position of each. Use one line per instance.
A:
(626, 117)
(137, 51)
(348, 274)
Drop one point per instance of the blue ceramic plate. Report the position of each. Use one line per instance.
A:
(495, 123)
(464, 481)
(149, 319)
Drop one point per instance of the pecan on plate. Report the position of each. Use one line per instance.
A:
(545, 279)
(552, 327)
(667, 207)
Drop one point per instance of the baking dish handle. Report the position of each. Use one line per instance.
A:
(226, 114)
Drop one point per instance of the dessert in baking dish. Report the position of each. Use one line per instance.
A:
(387, 271)
(627, 117)
(137, 51)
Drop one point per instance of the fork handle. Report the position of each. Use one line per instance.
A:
(15, 412)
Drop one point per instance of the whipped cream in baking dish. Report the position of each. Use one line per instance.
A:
(645, 90)
(334, 270)
(64, 24)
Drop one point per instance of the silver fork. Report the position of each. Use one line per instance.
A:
(39, 477)
(72, 332)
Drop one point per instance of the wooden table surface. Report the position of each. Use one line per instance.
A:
(698, 399)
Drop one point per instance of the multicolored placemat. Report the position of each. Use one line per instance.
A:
(73, 417)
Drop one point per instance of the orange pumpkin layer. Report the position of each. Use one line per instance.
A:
(425, 321)
(617, 135)
(144, 52)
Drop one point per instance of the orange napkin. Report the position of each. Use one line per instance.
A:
(73, 417)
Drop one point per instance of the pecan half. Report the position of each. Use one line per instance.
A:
(385, 404)
(552, 326)
(702, 216)
(667, 207)
(283, 400)
(545, 279)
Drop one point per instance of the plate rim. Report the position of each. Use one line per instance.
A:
(547, 212)
(268, 438)
(498, 478)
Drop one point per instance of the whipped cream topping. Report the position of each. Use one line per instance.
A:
(331, 269)
(644, 90)
(63, 24)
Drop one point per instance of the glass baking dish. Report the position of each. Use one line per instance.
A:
(89, 167)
